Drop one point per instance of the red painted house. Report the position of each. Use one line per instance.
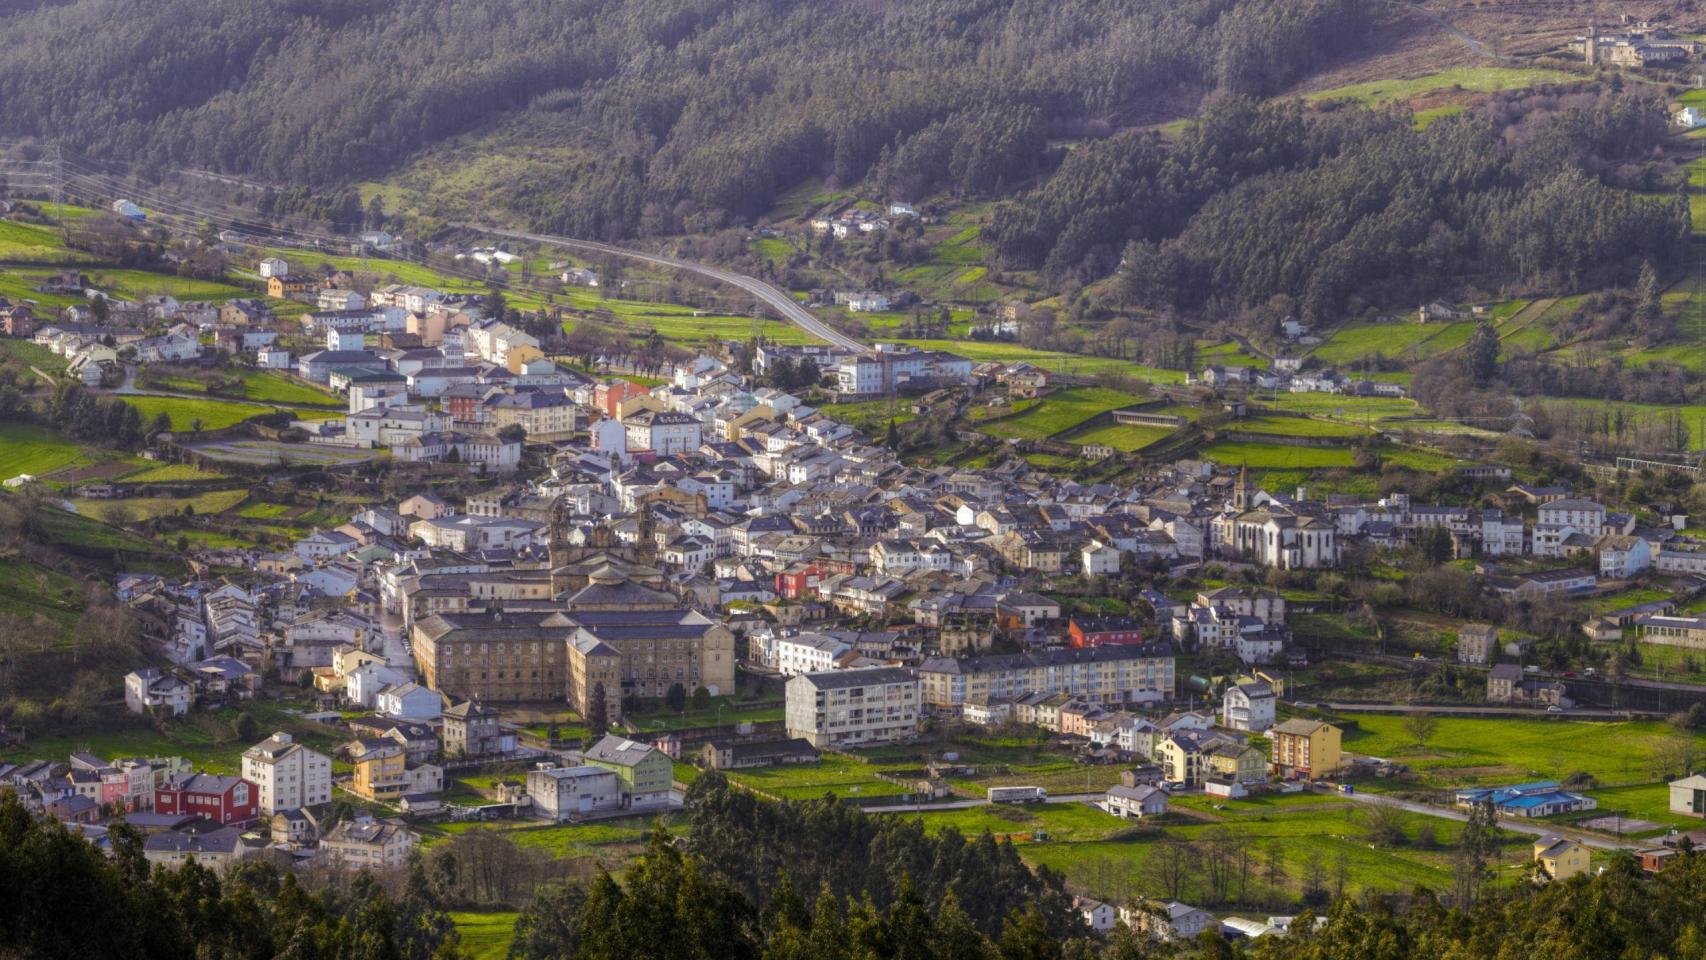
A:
(608, 396)
(798, 582)
(230, 801)
(1097, 631)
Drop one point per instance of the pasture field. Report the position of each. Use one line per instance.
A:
(870, 415)
(691, 329)
(980, 351)
(32, 353)
(259, 386)
(1365, 410)
(172, 473)
(1422, 461)
(564, 840)
(775, 250)
(840, 775)
(214, 414)
(732, 711)
(1228, 354)
(27, 448)
(485, 935)
(256, 510)
(1471, 79)
(1349, 344)
(1122, 437)
(1060, 411)
(27, 589)
(206, 739)
(1470, 750)
(147, 508)
(1263, 456)
(1293, 829)
(136, 284)
(1059, 821)
(30, 243)
(1294, 427)
(267, 387)
(1002, 762)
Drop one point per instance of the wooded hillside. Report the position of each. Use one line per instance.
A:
(690, 110)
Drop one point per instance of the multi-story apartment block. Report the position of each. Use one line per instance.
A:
(1116, 673)
(287, 775)
(845, 708)
(1307, 749)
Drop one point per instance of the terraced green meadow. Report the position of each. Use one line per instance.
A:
(1295, 427)
(1060, 411)
(26, 448)
(1122, 437)
(1262, 456)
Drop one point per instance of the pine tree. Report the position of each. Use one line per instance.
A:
(1647, 295)
(1483, 353)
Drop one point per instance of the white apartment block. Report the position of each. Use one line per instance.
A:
(853, 708)
(288, 775)
(808, 653)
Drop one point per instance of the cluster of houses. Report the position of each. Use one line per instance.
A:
(277, 805)
(1286, 375)
(855, 221)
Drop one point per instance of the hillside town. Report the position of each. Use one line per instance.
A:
(705, 537)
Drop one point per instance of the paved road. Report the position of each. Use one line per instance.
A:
(1518, 826)
(779, 300)
(1447, 25)
(396, 654)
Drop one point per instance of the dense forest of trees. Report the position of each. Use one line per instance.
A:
(1337, 208)
(688, 110)
(681, 900)
(829, 845)
(64, 898)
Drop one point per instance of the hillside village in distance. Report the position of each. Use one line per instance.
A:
(640, 578)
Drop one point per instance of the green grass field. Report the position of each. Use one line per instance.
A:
(26, 448)
(268, 387)
(1122, 437)
(870, 415)
(1467, 750)
(1294, 427)
(1417, 341)
(836, 774)
(1422, 461)
(1297, 828)
(27, 589)
(30, 243)
(485, 936)
(33, 354)
(1369, 410)
(980, 351)
(1475, 79)
(206, 739)
(145, 508)
(172, 473)
(1263, 456)
(259, 386)
(1061, 411)
(214, 414)
(136, 284)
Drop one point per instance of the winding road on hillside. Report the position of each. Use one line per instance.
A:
(775, 298)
